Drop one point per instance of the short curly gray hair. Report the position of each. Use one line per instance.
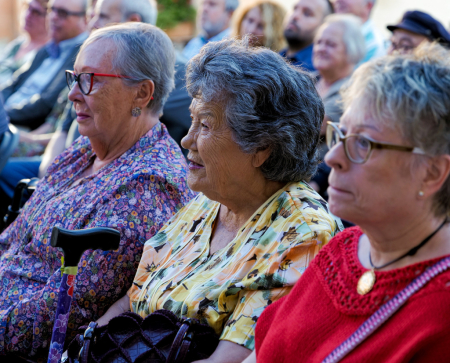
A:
(268, 104)
(411, 94)
(143, 52)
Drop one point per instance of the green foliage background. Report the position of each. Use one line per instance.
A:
(172, 12)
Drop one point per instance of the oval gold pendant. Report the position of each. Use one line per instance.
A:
(366, 282)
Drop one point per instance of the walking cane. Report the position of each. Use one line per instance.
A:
(74, 244)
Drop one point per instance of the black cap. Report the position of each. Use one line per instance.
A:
(421, 23)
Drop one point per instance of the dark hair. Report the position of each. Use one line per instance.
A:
(268, 104)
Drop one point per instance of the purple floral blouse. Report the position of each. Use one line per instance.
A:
(136, 194)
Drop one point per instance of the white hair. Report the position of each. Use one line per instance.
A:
(353, 37)
(146, 9)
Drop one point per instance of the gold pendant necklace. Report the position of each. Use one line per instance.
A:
(368, 278)
(366, 282)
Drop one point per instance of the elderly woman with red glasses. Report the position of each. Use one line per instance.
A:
(125, 172)
(379, 292)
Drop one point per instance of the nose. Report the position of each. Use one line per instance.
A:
(336, 158)
(95, 23)
(189, 142)
(52, 16)
(75, 94)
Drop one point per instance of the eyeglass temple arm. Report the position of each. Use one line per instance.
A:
(414, 150)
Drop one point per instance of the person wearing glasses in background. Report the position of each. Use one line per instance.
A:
(125, 172)
(415, 28)
(390, 161)
(24, 48)
(33, 90)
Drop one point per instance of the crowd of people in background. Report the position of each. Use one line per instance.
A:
(228, 152)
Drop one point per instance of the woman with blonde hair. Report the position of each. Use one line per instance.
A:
(264, 20)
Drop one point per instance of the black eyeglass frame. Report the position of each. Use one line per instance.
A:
(64, 13)
(92, 75)
(373, 144)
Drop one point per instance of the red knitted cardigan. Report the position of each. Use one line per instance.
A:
(323, 309)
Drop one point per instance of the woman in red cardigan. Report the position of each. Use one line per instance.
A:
(390, 160)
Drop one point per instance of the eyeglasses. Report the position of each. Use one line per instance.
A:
(358, 148)
(401, 48)
(63, 13)
(86, 80)
(36, 12)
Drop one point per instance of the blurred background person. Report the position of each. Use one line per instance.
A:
(301, 28)
(214, 18)
(34, 35)
(375, 42)
(338, 47)
(33, 91)
(264, 20)
(109, 12)
(415, 28)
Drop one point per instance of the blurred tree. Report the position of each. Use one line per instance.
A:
(173, 12)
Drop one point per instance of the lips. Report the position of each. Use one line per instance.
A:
(82, 116)
(338, 190)
(194, 165)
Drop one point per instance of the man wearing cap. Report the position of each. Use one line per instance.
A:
(415, 28)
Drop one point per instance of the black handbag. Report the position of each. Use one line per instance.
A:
(161, 337)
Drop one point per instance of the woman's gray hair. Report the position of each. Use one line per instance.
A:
(353, 37)
(143, 52)
(410, 94)
(268, 104)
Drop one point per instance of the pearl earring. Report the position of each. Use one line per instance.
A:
(135, 112)
(421, 194)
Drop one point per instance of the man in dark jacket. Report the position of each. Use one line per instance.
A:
(34, 88)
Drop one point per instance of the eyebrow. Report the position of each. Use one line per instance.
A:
(90, 70)
(367, 126)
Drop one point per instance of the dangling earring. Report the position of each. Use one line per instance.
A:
(421, 194)
(136, 111)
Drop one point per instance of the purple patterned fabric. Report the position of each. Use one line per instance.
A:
(135, 194)
(385, 312)
(62, 318)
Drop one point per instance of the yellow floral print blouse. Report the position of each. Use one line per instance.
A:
(229, 289)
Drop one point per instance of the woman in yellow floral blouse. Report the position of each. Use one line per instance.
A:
(245, 240)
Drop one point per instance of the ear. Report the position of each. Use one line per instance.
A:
(134, 17)
(437, 173)
(144, 93)
(260, 157)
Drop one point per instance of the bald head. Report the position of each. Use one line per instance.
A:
(360, 8)
(302, 26)
(120, 11)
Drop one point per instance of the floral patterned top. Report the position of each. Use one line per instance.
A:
(135, 194)
(230, 289)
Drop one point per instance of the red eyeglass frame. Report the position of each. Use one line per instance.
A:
(77, 77)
